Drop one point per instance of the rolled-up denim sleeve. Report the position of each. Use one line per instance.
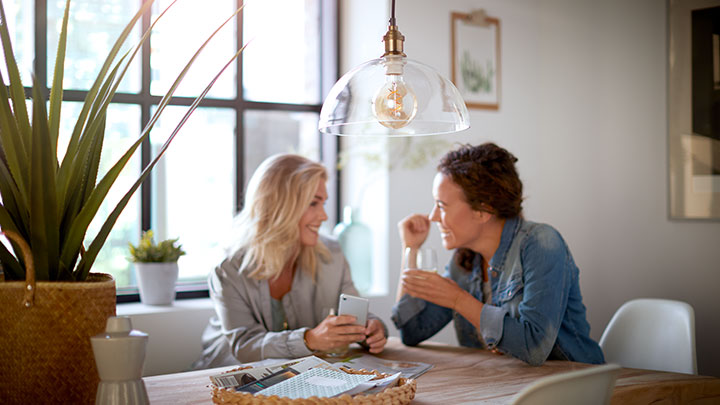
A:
(407, 308)
(546, 276)
(492, 319)
(418, 320)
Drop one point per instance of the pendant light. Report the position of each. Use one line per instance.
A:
(393, 96)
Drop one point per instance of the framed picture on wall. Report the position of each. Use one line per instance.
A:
(475, 53)
(694, 109)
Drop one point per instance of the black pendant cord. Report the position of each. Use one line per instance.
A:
(392, 15)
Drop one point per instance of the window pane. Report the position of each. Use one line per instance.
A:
(271, 132)
(177, 36)
(20, 16)
(121, 131)
(194, 186)
(282, 61)
(93, 28)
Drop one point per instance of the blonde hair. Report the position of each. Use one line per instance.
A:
(267, 229)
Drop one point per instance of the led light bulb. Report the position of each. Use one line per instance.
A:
(395, 104)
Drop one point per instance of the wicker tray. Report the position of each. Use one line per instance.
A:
(402, 393)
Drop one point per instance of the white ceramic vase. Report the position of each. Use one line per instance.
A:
(156, 282)
(120, 355)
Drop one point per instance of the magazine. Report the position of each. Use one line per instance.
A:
(269, 381)
(408, 369)
(240, 378)
(311, 375)
(374, 386)
(318, 382)
(300, 378)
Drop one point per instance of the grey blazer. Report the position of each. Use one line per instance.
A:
(240, 331)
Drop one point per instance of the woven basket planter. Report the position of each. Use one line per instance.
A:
(45, 351)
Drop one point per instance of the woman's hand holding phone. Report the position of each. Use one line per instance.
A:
(334, 332)
(374, 338)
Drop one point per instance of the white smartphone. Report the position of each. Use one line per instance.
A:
(355, 306)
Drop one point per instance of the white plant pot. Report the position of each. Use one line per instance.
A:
(156, 282)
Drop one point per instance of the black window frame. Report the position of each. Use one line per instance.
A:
(328, 145)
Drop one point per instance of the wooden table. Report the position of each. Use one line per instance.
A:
(463, 375)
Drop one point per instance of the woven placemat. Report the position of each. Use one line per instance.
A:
(402, 393)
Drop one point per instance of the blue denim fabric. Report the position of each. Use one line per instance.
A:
(536, 312)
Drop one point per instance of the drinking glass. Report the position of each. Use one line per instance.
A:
(421, 259)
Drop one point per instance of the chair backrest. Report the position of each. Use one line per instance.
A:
(653, 334)
(589, 386)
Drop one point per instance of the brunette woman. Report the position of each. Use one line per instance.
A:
(511, 286)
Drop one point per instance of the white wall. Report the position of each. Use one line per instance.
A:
(174, 332)
(584, 101)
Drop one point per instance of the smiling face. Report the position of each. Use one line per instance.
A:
(313, 217)
(460, 226)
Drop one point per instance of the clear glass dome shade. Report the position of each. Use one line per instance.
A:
(393, 96)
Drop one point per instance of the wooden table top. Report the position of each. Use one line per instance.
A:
(463, 375)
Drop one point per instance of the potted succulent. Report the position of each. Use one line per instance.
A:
(50, 302)
(156, 268)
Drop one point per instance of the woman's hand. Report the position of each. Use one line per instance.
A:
(376, 338)
(442, 291)
(431, 287)
(414, 230)
(334, 331)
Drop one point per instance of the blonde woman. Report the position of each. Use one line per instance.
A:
(272, 293)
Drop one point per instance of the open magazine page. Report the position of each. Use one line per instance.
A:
(317, 382)
(408, 369)
(264, 368)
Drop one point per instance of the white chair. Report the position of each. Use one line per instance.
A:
(653, 334)
(590, 386)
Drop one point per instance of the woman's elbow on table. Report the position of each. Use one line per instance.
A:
(536, 358)
(532, 357)
(534, 354)
(409, 339)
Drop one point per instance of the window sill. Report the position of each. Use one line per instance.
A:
(184, 305)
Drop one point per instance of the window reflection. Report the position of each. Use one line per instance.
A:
(20, 16)
(93, 27)
(271, 132)
(282, 61)
(194, 186)
(177, 36)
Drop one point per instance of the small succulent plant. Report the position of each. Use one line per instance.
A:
(148, 252)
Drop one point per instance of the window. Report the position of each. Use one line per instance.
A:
(268, 102)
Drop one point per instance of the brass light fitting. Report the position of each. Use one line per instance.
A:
(393, 41)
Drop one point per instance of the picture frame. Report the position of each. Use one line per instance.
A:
(475, 58)
(694, 109)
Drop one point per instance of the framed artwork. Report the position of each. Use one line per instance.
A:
(694, 109)
(475, 53)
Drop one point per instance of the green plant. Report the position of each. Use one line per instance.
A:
(476, 78)
(51, 203)
(148, 252)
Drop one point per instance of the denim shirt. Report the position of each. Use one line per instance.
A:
(536, 311)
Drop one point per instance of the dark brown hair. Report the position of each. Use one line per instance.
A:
(487, 175)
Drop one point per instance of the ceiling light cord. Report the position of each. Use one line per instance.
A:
(392, 13)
